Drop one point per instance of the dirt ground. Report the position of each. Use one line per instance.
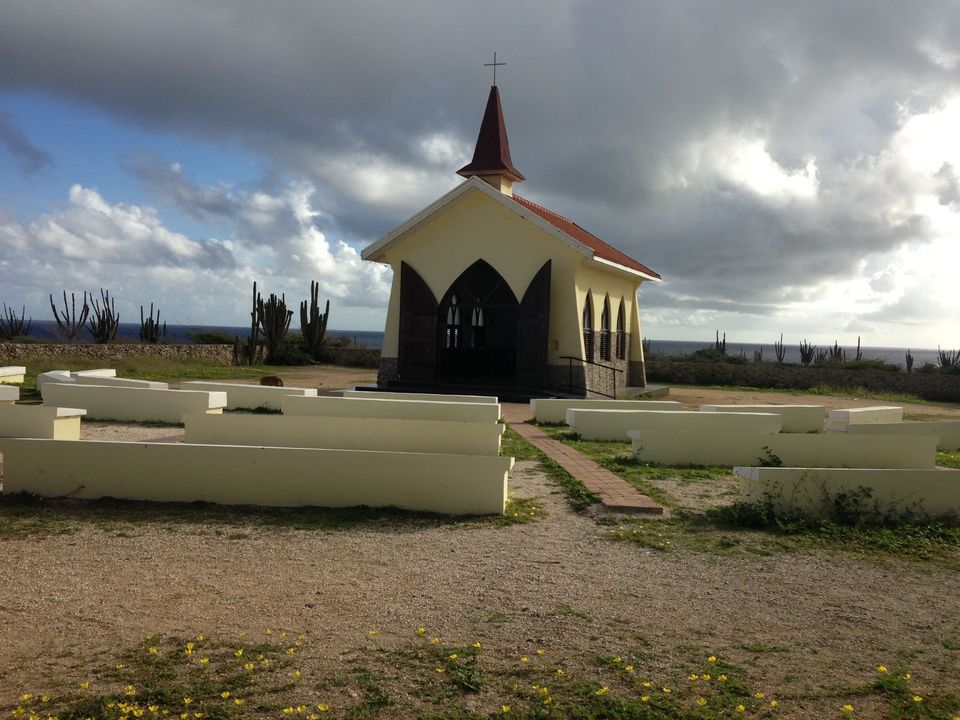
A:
(556, 583)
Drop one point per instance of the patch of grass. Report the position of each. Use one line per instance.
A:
(512, 445)
(422, 675)
(24, 515)
(950, 459)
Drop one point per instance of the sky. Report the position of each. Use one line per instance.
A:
(786, 167)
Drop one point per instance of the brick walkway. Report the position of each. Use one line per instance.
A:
(616, 495)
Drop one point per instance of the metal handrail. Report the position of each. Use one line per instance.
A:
(571, 386)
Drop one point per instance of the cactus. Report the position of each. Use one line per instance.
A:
(254, 338)
(274, 319)
(807, 351)
(836, 353)
(948, 359)
(68, 323)
(721, 345)
(779, 349)
(909, 360)
(150, 330)
(11, 326)
(313, 323)
(758, 355)
(820, 357)
(860, 354)
(105, 320)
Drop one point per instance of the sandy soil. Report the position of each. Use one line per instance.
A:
(556, 584)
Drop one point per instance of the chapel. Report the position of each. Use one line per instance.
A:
(493, 292)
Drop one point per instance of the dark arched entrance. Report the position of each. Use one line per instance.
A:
(478, 328)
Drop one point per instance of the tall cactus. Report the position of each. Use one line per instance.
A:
(105, 321)
(254, 337)
(313, 323)
(274, 321)
(13, 327)
(150, 329)
(68, 322)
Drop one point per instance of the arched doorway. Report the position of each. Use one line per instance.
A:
(478, 323)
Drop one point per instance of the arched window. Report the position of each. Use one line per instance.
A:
(451, 336)
(622, 331)
(605, 329)
(588, 327)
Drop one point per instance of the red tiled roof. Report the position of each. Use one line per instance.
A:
(492, 153)
(599, 247)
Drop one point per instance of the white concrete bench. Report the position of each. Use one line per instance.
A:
(133, 404)
(52, 376)
(422, 436)
(105, 381)
(240, 395)
(13, 374)
(96, 372)
(948, 431)
(402, 409)
(233, 475)
(687, 447)
(9, 394)
(554, 410)
(839, 419)
(796, 418)
(40, 421)
(812, 490)
(614, 424)
(435, 397)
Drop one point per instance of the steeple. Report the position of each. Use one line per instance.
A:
(491, 158)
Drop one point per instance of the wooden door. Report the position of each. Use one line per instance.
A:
(418, 328)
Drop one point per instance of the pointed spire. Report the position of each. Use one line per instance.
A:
(491, 158)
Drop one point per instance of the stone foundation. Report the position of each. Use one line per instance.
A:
(27, 353)
(389, 371)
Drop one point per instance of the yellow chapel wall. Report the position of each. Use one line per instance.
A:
(599, 282)
(478, 227)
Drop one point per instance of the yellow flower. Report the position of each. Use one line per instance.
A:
(740, 708)
(701, 701)
(120, 666)
(706, 676)
(184, 716)
(453, 656)
(248, 666)
(476, 645)
(152, 650)
(666, 691)
(918, 698)
(439, 669)
(84, 685)
(373, 632)
(561, 672)
(721, 678)
(848, 708)
(239, 653)
(759, 695)
(238, 701)
(881, 668)
(524, 659)
(693, 676)
(288, 711)
(322, 707)
(225, 694)
(644, 698)
(648, 684)
(268, 631)
(130, 690)
(421, 630)
(189, 646)
(539, 652)
(204, 661)
(291, 650)
(44, 698)
(434, 640)
(153, 708)
(602, 691)
(199, 638)
(25, 697)
(774, 704)
(296, 674)
(618, 659)
(187, 701)
(301, 708)
(906, 676)
(712, 659)
(504, 709)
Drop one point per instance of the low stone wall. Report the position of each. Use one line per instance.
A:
(351, 357)
(22, 353)
(931, 386)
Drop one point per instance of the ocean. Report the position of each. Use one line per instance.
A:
(46, 330)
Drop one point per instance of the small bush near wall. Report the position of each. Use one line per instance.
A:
(930, 386)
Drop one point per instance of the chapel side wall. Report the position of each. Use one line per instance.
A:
(599, 283)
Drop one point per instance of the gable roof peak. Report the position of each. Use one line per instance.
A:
(492, 153)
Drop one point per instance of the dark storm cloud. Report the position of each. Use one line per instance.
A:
(30, 158)
(603, 103)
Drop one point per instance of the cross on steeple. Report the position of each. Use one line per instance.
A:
(494, 65)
